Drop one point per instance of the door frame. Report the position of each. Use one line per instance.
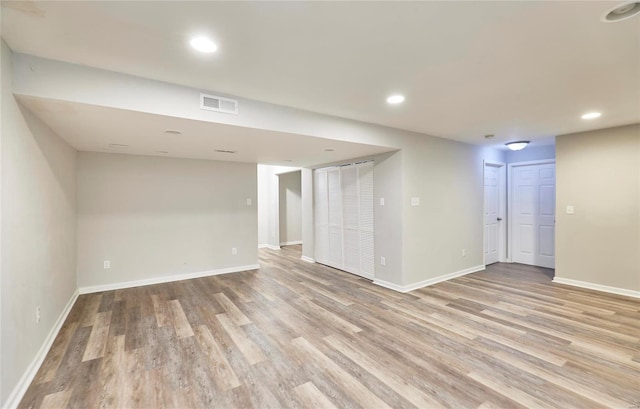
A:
(502, 209)
(511, 167)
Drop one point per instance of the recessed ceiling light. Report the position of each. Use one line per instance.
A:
(395, 99)
(329, 150)
(203, 44)
(591, 115)
(173, 131)
(517, 145)
(622, 12)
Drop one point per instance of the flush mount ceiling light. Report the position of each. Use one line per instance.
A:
(203, 44)
(622, 12)
(395, 99)
(517, 145)
(591, 115)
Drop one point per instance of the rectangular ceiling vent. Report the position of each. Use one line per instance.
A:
(218, 104)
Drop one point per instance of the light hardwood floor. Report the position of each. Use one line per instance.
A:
(295, 334)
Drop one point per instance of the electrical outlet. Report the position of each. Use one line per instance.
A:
(464, 252)
(415, 201)
(570, 209)
(234, 251)
(38, 315)
(383, 261)
(107, 264)
(249, 202)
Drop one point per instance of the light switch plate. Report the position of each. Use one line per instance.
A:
(382, 201)
(415, 201)
(383, 261)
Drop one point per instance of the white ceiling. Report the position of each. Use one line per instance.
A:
(95, 128)
(521, 70)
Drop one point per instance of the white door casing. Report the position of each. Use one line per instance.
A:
(532, 216)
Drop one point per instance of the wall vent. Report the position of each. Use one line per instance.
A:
(218, 104)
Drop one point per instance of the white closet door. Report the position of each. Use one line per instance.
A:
(335, 219)
(321, 216)
(343, 214)
(351, 218)
(365, 182)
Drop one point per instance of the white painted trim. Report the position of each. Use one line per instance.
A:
(389, 285)
(262, 246)
(291, 243)
(532, 162)
(428, 282)
(597, 287)
(165, 279)
(272, 247)
(307, 259)
(18, 392)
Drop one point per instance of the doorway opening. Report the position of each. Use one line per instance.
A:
(290, 208)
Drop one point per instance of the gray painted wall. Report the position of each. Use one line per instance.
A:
(598, 173)
(38, 235)
(531, 153)
(154, 217)
(426, 161)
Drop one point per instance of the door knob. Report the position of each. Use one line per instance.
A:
(499, 219)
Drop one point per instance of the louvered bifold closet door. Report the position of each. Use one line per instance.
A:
(351, 218)
(335, 219)
(343, 214)
(366, 220)
(321, 215)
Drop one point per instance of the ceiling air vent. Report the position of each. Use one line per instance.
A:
(218, 104)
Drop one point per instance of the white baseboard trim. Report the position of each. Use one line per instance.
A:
(262, 246)
(389, 285)
(291, 243)
(272, 247)
(165, 279)
(18, 392)
(597, 287)
(428, 282)
(307, 259)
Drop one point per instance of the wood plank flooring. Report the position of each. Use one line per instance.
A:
(302, 335)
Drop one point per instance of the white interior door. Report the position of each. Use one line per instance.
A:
(365, 184)
(492, 216)
(351, 217)
(321, 216)
(533, 203)
(335, 219)
(343, 213)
